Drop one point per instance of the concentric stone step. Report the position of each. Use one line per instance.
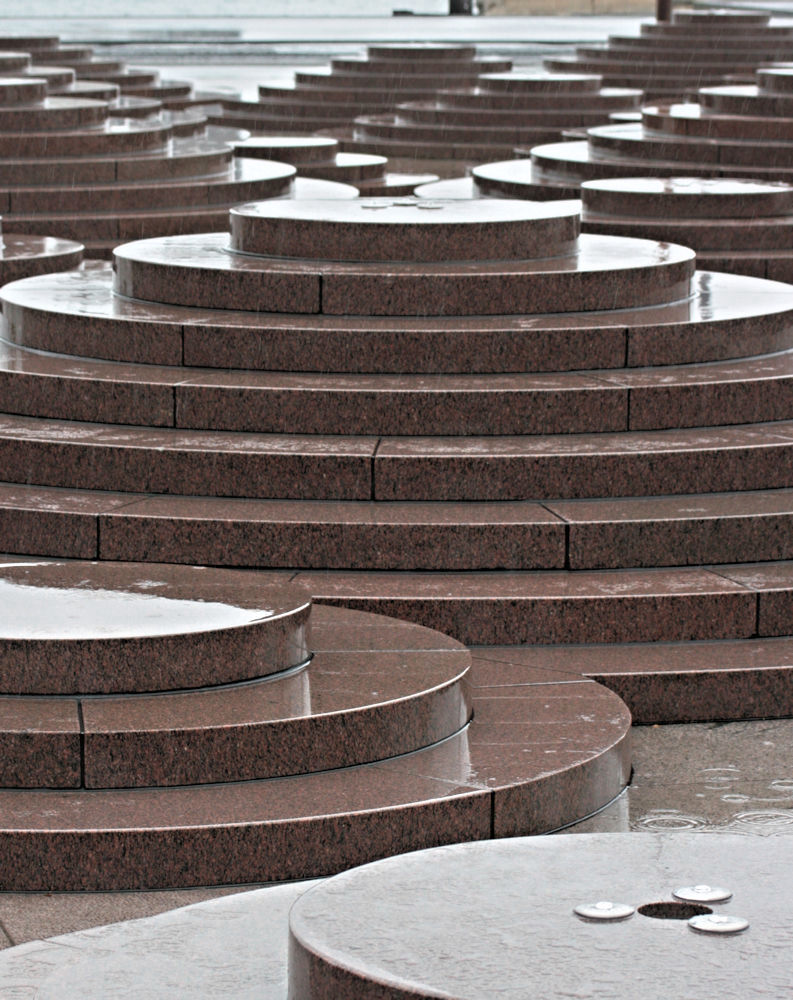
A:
(280, 827)
(22, 256)
(77, 312)
(377, 83)
(567, 282)
(739, 225)
(486, 121)
(349, 936)
(532, 474)
(21, 90)
(168, 628)
(694, 49)
(645, 466)
(316, 403)
(100, 628)
(81, 164)
(317, 156)
(517, 535)
(12, 62)
(732, 133)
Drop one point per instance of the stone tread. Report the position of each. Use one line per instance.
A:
(292, 827)
(722, 393)
(452, 536)
(72, 453)
(667, 682)
(76, 313)
(552, 607)
(342, 709)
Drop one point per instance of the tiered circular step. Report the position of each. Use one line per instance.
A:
(317, 156)
(673, 58)
(23, 255)
(385, 77)
(563, 912)
(85, 67)
(173, 726)
(489, 120)
(741, 226)
(727, 135)
(464, 414)
(69, 169)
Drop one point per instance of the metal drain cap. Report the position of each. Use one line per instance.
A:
(718, 923)
(702, 894)
(604, 910)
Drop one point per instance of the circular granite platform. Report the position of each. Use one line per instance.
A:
(497, 919)
(22, 256)
(406, 229)
(101, 627)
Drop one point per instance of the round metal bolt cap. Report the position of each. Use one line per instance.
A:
(604, 910)
(702, 894)
(718, 923)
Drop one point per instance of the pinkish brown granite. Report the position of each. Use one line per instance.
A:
(74, 628)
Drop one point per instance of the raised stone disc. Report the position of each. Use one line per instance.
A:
(295, 149)
(24, 256)
(480, 920)
(92, 627)
(410, 229)
(687, 197)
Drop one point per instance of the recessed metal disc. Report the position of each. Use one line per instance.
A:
(604, 910)
(718, 923)
(702, 894)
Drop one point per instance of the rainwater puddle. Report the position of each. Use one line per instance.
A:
(715, 778)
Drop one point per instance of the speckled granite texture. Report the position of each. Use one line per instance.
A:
(592, 479)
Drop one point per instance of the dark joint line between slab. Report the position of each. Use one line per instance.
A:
(81, 721)
(372, 463)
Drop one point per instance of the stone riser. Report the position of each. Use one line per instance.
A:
(740, 49)
(313, 718)
(242, 183)
(319, 823)
(452, 115)
(686, 121)
(310, 99)
(402, 129)
(27, 256)
(456, 156)
(584, 607)
(410, 66)
(614, 140)
(329, 404)
(106, 140)
(106, 457)
(77, 314)
(606, 100)
(574, 165)
(186, 158)
(572, 283)
(378, 80)
(442, 536)
(768, 236)
(18, 90)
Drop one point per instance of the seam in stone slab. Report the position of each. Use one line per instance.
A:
(81, 724)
